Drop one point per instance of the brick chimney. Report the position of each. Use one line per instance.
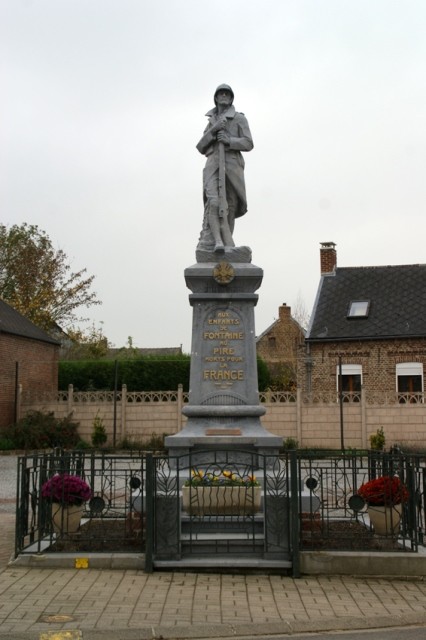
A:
(284, 312)
(328, 257)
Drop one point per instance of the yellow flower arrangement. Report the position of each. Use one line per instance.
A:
(224, 477)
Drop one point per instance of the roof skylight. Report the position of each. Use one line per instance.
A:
(359, 309)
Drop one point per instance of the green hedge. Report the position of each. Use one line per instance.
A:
(139, 374)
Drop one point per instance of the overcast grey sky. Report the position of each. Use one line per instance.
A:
(103, 102)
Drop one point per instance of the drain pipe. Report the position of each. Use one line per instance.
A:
(342, 438)
(114, 426)
(16, 410)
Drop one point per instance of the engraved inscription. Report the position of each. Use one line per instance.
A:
(223, 338)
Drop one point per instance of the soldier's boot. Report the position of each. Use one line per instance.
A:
(226, 233)
(215, 229)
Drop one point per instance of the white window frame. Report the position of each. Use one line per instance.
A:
(409, 369)
(348, 370)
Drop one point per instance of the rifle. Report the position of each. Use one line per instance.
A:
(223, 204)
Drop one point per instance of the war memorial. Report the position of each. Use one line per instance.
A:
(223, 408)
(224, 495)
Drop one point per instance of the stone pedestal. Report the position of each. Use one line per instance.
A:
(223, 410)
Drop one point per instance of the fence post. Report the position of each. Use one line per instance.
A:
(294, 512)
(299, 435)
(364, 438)
(412, 510)
(123, 425)
(179, 407)
(149, 513)
(70, 399)
(19, 402)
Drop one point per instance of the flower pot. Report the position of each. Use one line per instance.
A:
(385, 520)
(66, 518)
(226, 501)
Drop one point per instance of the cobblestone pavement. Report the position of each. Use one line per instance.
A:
(58, 603)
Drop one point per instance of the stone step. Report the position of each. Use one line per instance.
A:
(221, 525)
(225, 564)
(217, 536)
(234, 548)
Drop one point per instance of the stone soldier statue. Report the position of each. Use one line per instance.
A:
(224, 193)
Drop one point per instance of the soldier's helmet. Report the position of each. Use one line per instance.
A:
(222, 87)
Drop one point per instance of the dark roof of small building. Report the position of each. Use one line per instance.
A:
(145, 351)
(397, 303)
(12, 322)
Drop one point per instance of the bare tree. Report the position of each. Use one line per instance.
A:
(300, 312)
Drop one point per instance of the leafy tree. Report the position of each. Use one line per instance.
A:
(88, 344)
(37, 280)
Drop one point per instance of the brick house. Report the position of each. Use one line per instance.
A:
(278, 346)
(368, 325)
(28, 357)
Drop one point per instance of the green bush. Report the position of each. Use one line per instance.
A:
(38, 430)
(154, 443)
(99, 434)
(378, 440)
(290, 443)
(82, 444)
(6, 444)
(263, 375)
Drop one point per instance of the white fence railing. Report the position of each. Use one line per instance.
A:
(311, 419)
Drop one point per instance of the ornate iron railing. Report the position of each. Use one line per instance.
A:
(342, 520)
(221, 502)
(111, 521)
(137, 500)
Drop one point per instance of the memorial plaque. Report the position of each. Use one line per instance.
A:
(223, 350)
(223, 432)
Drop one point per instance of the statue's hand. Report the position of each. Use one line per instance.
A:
(219, 125)
(222, 136)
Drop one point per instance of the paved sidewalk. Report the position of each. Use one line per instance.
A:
(130, 605)
(7, 536)
(186, 605)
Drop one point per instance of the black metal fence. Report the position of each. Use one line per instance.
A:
(111, 520)
(228, 503)
(338, 518)
(309, 501)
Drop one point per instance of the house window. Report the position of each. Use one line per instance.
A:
(351, 382)
(409, 382)
(359, 309)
